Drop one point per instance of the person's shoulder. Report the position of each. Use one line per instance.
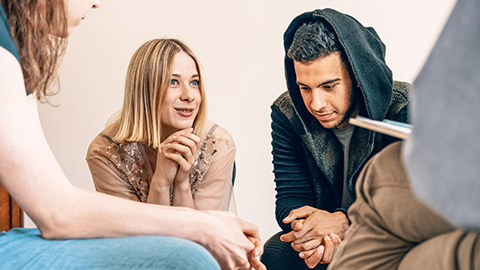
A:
(220, 135)
(401, 97)
(101, 142)
(283, 107)
(6, 40)
(401, 91)
(284, 100)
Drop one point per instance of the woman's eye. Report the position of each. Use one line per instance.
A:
(195, 82)
(174, 82)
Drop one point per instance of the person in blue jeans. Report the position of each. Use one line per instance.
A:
(79, 229)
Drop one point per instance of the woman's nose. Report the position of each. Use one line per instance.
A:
(187, 94)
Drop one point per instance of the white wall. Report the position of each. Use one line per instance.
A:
(239, 44)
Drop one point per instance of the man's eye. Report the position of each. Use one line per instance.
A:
(304, 88)
(329, 86)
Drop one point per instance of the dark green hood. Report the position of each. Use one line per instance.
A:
(365, 52)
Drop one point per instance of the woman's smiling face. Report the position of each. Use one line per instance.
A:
(183, 97)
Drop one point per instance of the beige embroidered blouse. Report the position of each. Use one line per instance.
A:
(125, 169)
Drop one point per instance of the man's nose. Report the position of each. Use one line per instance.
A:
(319, 100)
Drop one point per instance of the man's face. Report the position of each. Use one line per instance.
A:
(326, 89)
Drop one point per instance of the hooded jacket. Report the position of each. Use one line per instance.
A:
(307, 158)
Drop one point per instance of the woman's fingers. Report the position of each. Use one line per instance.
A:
(185, 143)
(191, 137)
(180, 160)
(189, 148)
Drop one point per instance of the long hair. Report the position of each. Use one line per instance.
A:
(36, 27)
(148, 77)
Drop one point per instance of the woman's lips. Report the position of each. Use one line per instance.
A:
(184, 112)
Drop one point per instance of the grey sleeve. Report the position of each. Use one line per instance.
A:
(442, 153)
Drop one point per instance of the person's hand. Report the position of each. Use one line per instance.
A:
(176, 153)
(234, 242)
(175, 156)
(165, 168)
(254, 256)
(184, 151)
(323, 253)
(308, 233)
(251, 231)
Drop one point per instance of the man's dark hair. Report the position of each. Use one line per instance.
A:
(314, 40)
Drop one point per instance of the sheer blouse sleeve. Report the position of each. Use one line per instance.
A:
(106, 177)
(215, 191)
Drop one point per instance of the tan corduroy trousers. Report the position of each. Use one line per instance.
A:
(392, 229)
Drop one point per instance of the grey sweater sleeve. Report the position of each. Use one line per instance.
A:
(442, 153)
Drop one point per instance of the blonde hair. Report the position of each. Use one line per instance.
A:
(148, 77)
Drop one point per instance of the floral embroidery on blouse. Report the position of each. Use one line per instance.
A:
(132, 165)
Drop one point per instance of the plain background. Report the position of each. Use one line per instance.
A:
(240, 47)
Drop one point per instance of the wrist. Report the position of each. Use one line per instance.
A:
(182, 178)
(182, 186)
(159, 186)
(203, 226)
(160, 181)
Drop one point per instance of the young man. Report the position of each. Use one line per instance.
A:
(335, 69)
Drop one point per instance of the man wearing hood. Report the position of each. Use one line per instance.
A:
(417, 201)
(335, 69)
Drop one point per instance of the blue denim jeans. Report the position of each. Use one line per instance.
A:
(25, 249)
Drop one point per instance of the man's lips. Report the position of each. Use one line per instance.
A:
(323, 116)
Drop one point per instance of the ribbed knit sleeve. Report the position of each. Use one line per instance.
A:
(292, 178)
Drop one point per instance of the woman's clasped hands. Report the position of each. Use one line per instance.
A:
(176, 156)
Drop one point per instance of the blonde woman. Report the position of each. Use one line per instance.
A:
(161, 149)
(115, 233)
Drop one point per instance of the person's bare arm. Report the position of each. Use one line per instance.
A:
(31, 174)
